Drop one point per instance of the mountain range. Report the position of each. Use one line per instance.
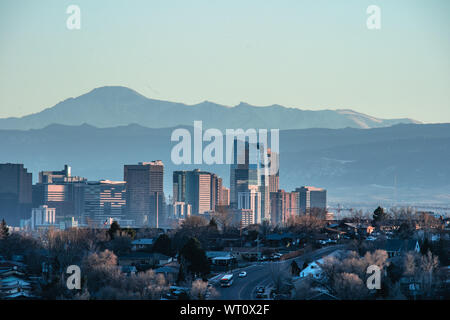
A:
(405, 163)
(118, 106)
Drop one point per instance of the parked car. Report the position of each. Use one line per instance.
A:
(281, 297)
(327, 241)
(242, 274)
(277, 256)
(260, 292)
(176, 293)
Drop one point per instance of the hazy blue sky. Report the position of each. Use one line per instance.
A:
(313, 54)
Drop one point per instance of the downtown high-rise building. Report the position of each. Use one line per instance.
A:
(42, 217)
(199, 189)
(145, 202)
(274, 178)
(62, 191)
(250, 199)
(104, 200)
(249, 176)
(284, 206)
(224, 197)
(15, 193)
(311, 198)
(64, 175)
(243, 217)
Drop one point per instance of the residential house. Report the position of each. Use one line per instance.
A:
(142, 244)
(144, 259)
(395, 247)
(282, 240)
(244, 253)
(358, 229)
(170, 271)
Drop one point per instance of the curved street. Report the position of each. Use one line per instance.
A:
(260, 274)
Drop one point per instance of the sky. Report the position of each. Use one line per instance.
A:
(308, 54)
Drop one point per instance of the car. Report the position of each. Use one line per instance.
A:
(276, 256)
(242, 274)
(280, 297)
(263, 258)
(260, 292)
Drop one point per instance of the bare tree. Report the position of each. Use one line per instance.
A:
(198, 290)
(194, 222)
(428, 265)
(348, 286)
(345, 275)
(304, 289)
(224, 217)
(409, 264)
(101, 270)
(306, 224)
(282, 282)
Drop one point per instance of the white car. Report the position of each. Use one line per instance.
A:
(242, 274)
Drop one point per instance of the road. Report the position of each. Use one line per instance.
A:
(259, 274)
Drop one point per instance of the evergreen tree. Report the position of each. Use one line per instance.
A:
(305, 265)
(163, 245)
(425, 247)
(181, 277)
(113, 229)
(4, 230)
(213, 223)
(129, 232)
(295, 270)
(379, 215)
(406, 230)
(195, 258)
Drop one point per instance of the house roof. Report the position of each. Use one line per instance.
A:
(278, 237)
(229, 257)
(323, 296)
(166, 269)
(241, 250)
(144, 255)
(214, 254)
(312, 269)
(357, 225)
(18, 295)
(11, 264)
(400, 244)
(14, 281)
(142, 241)
(127, 269)
(9, 272)
(334, 230)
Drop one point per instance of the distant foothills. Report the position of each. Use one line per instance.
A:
(357, 158)
(118, 106)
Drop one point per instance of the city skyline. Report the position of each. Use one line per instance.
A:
(139, 199)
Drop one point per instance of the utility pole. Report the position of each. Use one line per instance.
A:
(257, 248)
